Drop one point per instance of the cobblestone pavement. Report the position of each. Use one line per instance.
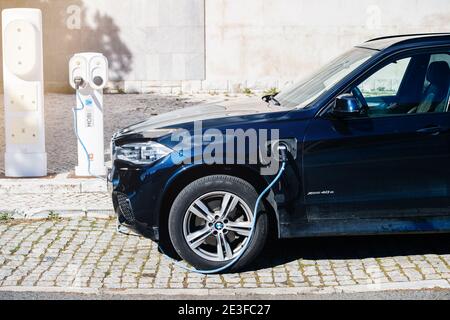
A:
(88, 253)
(39, 205)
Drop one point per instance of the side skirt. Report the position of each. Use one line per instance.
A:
(335, 227)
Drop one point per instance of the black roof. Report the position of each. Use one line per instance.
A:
(383, 43)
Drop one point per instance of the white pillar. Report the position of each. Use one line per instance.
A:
(24, 98)
(91, 69)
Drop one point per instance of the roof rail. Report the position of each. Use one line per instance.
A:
(410, 35)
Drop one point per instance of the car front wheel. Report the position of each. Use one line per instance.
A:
(211, 221)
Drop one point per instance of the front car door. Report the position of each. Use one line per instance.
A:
(392, 161)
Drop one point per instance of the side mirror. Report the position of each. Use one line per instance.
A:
(270, 98)
(346, 105)
(267, 98)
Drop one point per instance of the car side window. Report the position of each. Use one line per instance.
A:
(381, 89)
(385, 82)
(412, 85)
(435, 79)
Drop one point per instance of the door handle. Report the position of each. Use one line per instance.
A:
(433, 130)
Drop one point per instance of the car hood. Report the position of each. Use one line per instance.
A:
(218, 110)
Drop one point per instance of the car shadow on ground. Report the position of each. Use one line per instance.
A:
(279, 252)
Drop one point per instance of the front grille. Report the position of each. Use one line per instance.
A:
(125, 207)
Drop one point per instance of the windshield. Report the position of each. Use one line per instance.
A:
(302, 93)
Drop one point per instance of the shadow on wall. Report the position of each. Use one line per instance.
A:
(72, 26)
(105, 38)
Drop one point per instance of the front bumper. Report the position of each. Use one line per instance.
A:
(130, 208)
(138, 192)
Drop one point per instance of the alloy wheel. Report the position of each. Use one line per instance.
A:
(217, 226)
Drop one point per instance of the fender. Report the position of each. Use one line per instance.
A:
(244, 172)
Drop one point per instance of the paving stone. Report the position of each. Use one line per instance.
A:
(121, 262)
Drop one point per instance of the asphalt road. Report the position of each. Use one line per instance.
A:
(387, 295)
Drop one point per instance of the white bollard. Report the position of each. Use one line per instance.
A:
(23, 93)
(88, 76)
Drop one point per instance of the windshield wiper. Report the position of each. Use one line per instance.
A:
(271, 98)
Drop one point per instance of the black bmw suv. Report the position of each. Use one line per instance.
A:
(368, 140)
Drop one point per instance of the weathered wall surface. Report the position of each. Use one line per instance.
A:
(219, 45)
(144, 40)
(260, 43)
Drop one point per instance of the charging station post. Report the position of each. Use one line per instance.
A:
(23, 93)
(88, 76)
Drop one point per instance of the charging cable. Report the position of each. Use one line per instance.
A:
(283, 150)
(283, 153)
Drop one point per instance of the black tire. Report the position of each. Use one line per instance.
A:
(206, 185)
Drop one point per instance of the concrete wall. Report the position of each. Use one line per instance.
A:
(219, 45)
(144, 40)
(261, 43)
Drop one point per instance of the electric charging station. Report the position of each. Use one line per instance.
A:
(88, 76)
(23, 93)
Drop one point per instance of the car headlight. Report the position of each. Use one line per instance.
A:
(141, 153)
